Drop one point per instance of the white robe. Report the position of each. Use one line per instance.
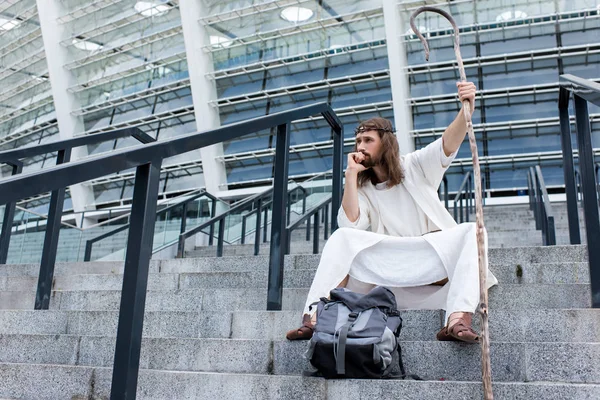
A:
(393, 253)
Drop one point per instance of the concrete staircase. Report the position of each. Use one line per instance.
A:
(207, 334)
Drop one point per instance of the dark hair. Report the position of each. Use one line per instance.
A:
(390, 152)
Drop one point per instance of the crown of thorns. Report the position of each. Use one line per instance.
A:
(362, 129)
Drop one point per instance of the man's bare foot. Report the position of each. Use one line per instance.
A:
(459, 329)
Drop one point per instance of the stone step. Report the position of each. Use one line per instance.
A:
(559, 273)
(505, 296)
(565, 272)
(51, 382)
(574, 325)
(432, 360)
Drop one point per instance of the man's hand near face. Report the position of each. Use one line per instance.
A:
(355, 163)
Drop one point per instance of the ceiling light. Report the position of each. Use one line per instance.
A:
(151, 8)
(220, 41)
(296, 14)
(8, 24)
(510, 15)
(86, 45)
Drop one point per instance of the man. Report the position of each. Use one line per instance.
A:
(394, 231)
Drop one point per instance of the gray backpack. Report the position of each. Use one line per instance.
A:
(356, 336)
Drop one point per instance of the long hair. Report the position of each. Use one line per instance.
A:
(390, 152)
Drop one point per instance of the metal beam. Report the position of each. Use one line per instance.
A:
(135, 282)
(32, 151)
(590, 196)
(568, 166)
(278, 220)
(46, 276)
(9, 215)
(31, 184)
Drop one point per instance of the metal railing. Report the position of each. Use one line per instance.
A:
(583, 91)
(183, 204)
(315, 212)
(265, 208)
(257, 202)
(539, 203)
(147, 159)
(63, 148)
(464, 201)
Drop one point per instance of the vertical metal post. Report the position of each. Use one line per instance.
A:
(308, 230)
(326, 224)
(221, 237)
(316, 233)
(135, 282)
(536, 205)
(530, 191)
(257, 231)
(9, 216)
(211, 231)
(461, 209)
(57, 198)
(288, 241)
(568, 167)
(289, 207)
(336, 189)
(184, 218)
(590, 196)
(243, 236)
(278, 226)
(265, 221)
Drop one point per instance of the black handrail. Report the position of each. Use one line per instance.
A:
(464, 194)
(183, 203)
(578, 184)
(266, 205)
(583, 90)
(63, 147)
(183, 236)
(220, 219)
(147, 160)
(540, 204)
(314, 212)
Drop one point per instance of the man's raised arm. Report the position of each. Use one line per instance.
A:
(350, 199)
(455, 133)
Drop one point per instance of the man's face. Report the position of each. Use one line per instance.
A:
(369, 144)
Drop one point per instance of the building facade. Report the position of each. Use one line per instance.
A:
(77, 67)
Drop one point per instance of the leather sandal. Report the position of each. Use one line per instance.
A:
(462, 326)
(305, 332)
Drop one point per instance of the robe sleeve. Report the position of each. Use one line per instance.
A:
(433, 162)
(362, 223)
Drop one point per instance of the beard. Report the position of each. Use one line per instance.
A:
(369, 162)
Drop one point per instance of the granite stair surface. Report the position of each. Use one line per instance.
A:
(207, 334)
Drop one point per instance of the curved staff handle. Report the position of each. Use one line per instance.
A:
(461, 68)
(486, 369)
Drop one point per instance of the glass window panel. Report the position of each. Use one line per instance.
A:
(587, 66)
(517, 40)
(439, 82)
(237, 85)
(241, 112)
(361, 94)
(520, 74)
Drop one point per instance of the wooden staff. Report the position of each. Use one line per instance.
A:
(482, 255)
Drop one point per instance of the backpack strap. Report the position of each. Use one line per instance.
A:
(340, 362)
